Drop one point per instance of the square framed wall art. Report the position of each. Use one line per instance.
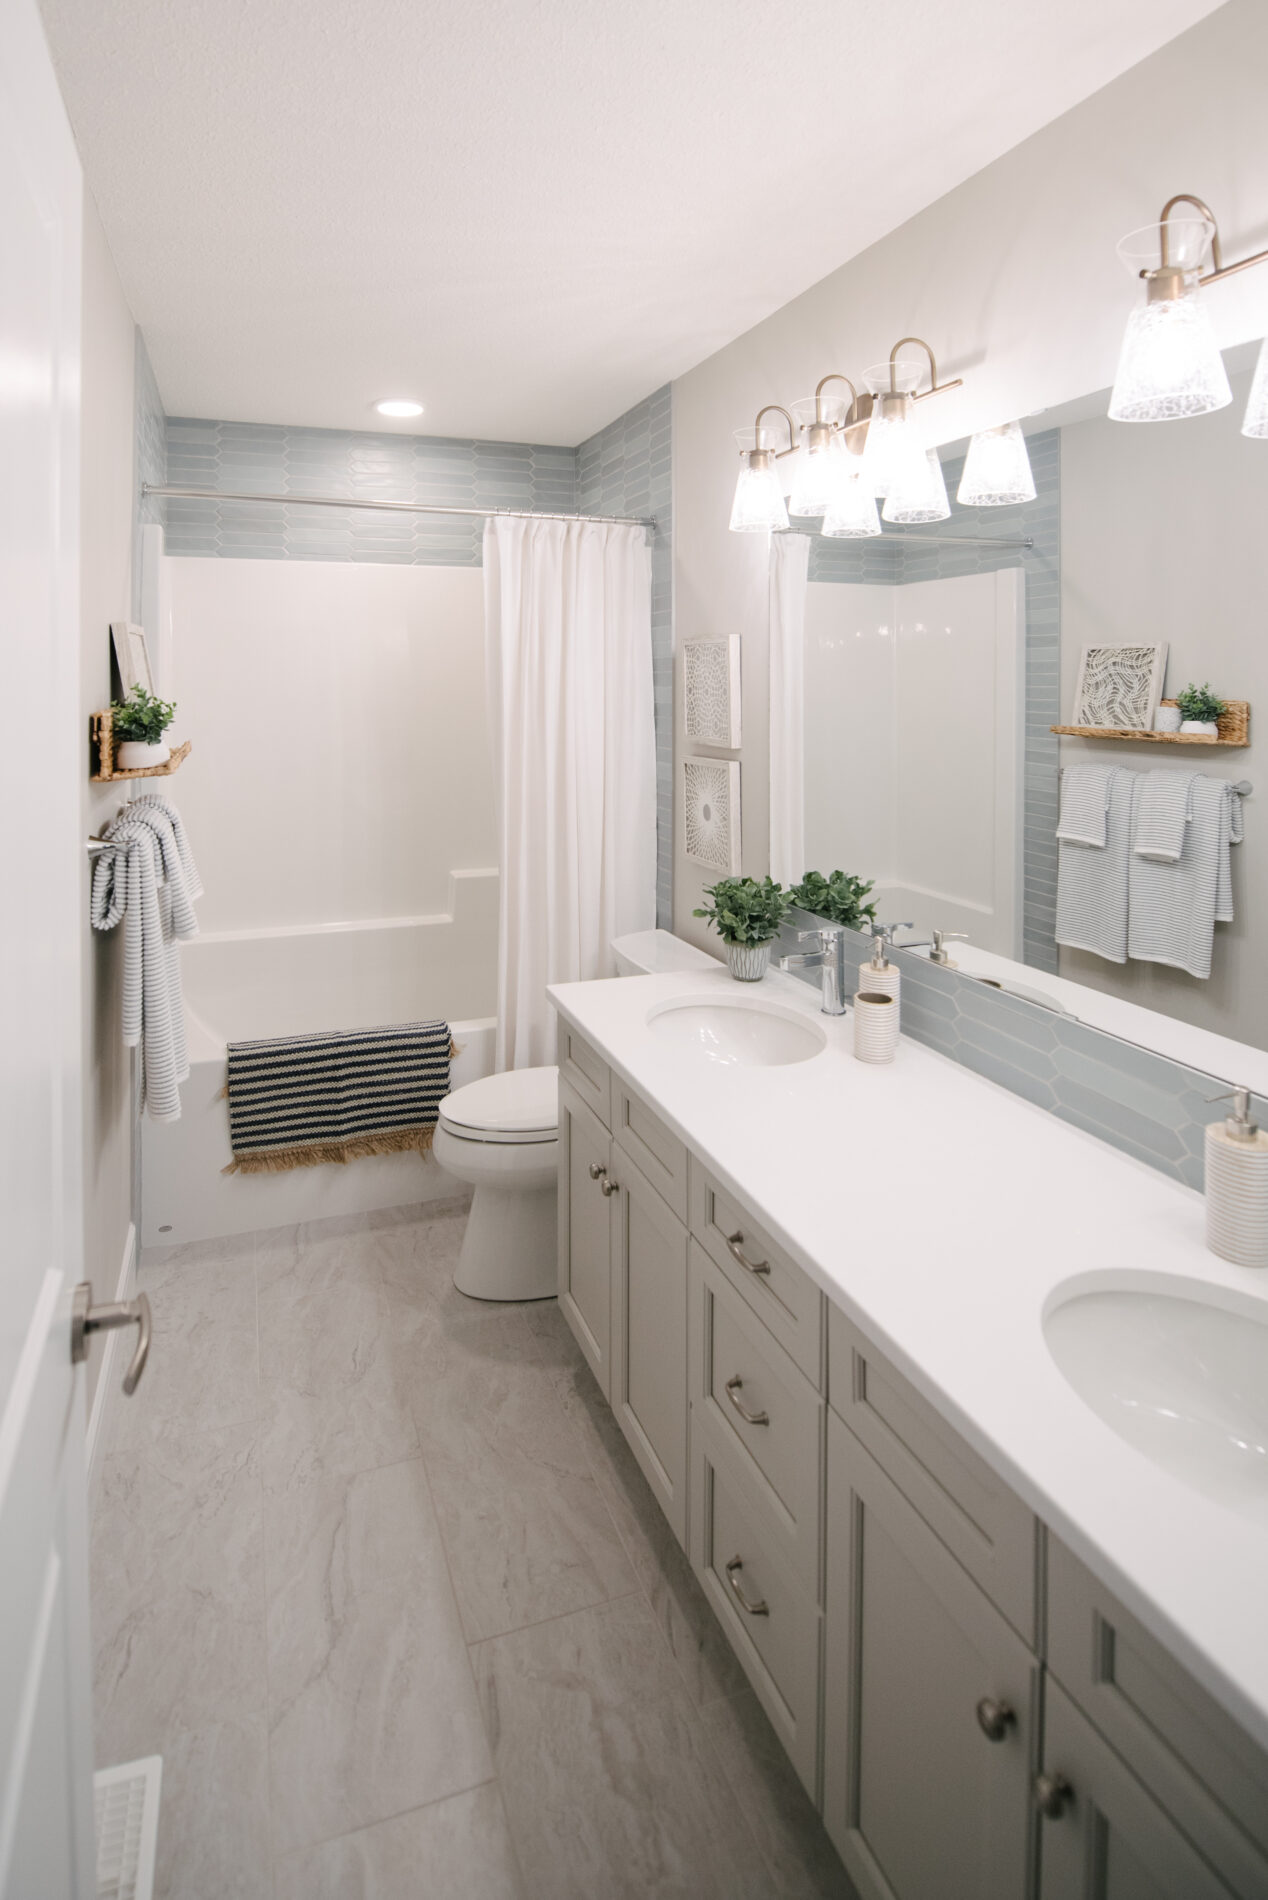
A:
(1119, 687)
(711, 691)
(711, 814)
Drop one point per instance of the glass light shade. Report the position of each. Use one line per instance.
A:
(894, 454)
(1188, 240)
(1169, 365)
(853, 514)
(996, 469)
(1255, 423)
(923, 497)
(759, 502)
(819, 478)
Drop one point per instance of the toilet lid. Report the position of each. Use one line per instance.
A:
(522, 1104)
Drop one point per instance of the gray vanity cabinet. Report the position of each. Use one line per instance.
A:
(649, 1336)
(931, 1704)
(585, 1230)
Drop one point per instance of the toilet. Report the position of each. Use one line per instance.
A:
(501, 1134)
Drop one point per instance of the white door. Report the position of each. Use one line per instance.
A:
(46, 1844)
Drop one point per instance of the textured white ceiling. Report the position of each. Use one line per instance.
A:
(528, 213)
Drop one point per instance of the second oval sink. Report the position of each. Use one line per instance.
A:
(737, 1034)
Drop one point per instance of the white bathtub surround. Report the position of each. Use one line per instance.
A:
(569, 670)
(147, 879)
(789, 565)
(955, 1254)
(502, 1136)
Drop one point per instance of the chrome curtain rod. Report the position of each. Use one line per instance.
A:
(396, 507)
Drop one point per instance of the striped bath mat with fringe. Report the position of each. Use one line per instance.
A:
(300, 1101)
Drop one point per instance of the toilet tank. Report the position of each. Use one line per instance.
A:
(651, 952)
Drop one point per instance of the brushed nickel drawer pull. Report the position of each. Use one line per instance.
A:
(733, 1244)
(995, 1718)
(733, 1570)
(609, 1187)
(750, 1418)
(596, 1170)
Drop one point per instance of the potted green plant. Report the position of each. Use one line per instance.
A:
(746, 914)
(1200, 710)
(839, 898)
(138, 724)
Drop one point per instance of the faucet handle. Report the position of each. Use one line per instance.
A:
(886, 931)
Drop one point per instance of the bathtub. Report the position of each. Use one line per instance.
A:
(283, 982)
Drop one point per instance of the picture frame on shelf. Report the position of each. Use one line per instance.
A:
(131, 657)
(711, 813)
(1119, 687)
(711, 691)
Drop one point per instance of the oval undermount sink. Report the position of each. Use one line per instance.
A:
(1181, 1376)
(744, 1035)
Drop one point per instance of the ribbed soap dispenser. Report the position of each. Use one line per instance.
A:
(1237, 1186)
(878, 977)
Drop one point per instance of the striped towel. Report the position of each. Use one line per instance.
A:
(300, 1101)
(1163, 809)
(148, 880)
(1176, 904)
(1092, 880)
(1085, 791)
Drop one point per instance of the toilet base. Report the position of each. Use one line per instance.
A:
(508, 1250)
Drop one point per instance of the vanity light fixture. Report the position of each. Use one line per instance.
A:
(1170, 365)
(996, 469)
(895, 461)
(827, 457)
(1255, 422)
(758, 507)
(399, 407)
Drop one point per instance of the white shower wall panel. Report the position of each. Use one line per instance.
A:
(341, 768)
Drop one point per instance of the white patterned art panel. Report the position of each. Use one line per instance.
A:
(1119, 687)
(711, 813)
(711, 690)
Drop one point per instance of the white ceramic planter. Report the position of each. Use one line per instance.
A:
(133, 755)
(1167, 719)
(747, 961)
(1208, 727)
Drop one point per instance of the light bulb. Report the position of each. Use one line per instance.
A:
(819, 477)
(996, 469)
(1170, 365)
(920, 495)
(1255, 422)
(853, 515)
(759, 503)
(894, 452)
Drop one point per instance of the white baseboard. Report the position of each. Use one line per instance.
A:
(107, 1378)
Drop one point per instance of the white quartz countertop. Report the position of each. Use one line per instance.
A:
(941, 1213)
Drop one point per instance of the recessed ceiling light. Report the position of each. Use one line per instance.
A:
(399, 406)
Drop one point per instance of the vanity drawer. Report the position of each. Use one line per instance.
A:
(584, 1069)
(1192, 1756)
(787, 1301)
(659, 1154)
(977, 1516)
(772, 1621)
(736, 1368)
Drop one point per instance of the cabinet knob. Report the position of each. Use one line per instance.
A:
(1052, 1795)
(734, 1246)
(995, 1718)
(609, 1187)
(596, 1169)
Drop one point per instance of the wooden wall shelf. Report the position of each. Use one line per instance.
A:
(1234, 730)
(107, 772)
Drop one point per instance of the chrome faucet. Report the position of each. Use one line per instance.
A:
(829, 957)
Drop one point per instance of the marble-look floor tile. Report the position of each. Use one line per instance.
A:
(214, 1818)
(456, 1849)
(372, 1709)
(203, 1368)
(525, 1526)
(803, 1862)
(177, 1588)
(610, 1784)
(695, 1638)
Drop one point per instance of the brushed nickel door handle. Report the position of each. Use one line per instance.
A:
(760, 1608)
(87, 1319)
(734, 1248)
(735, 1385)
(995, 1718)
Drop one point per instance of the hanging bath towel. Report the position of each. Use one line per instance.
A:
(1176, 904)
(300, 1101)
(1092, 879)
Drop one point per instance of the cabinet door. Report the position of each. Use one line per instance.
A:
(920, 1801)
(585, 1231)
(1111, 1840)
(649, 1338)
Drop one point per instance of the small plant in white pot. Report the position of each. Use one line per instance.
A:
(746, 915)
(1200, 711)
(138, 724)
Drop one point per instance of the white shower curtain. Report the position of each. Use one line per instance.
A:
(568, 658)
(789, 566)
